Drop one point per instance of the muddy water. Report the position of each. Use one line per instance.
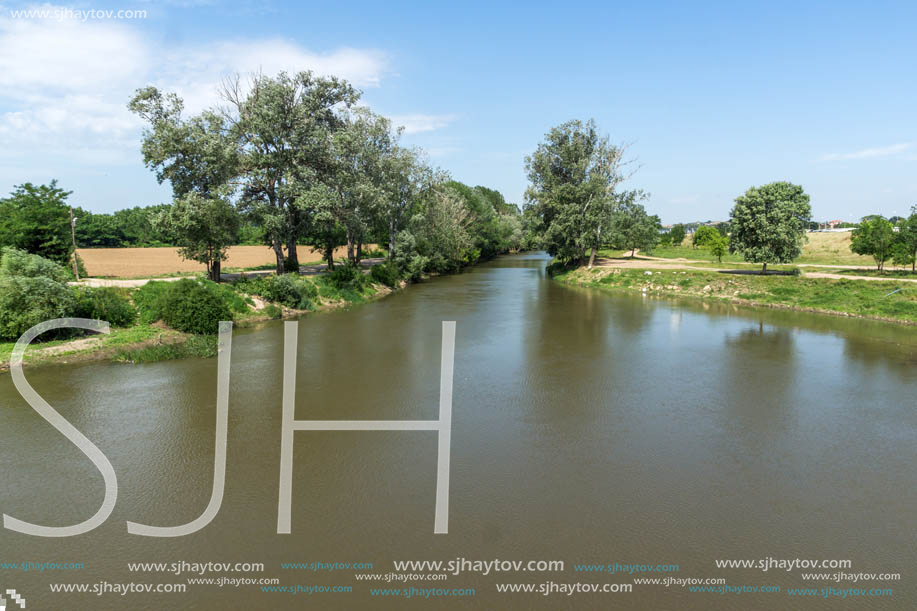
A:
(588, 428)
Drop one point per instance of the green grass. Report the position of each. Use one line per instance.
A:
(875, 299)
(195, 346)
(887, 273)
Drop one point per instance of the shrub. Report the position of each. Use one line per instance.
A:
(15, 262)
(26, 301)
(386, 273)
(272, 311)
(104, 303)
(149, 301)
(194, 307)
(188, 305)
(289, 290)
(347, 276)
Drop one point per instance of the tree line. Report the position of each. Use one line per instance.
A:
(297, 157)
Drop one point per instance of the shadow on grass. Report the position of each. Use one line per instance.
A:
(758, 272)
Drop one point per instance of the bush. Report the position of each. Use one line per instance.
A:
(26, 301)
(347, 276)
(15, 262)
(289, 290)
(272, 311)
(188, 305)
(149, 300)
(386, 273)
(194, 307)
(104, 303)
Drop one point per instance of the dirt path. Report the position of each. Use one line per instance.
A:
(644, 262)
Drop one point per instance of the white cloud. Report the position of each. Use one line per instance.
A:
(417, 123)
(64, 85)
(870, 153)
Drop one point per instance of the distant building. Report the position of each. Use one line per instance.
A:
(833, 224)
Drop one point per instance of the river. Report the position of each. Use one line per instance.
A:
(587, 427)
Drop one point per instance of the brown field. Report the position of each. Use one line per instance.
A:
(153, 262)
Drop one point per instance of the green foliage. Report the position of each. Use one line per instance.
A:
(104, 303)
(272, 311)
(149, 301)
(288, 289)
(127, 227)
(195, 346)
(678, 234)
(347, 277)
(632, 227)
(194, 307)
(905, 248)
(36, 219)
(204, 227)
(875, 236)
(573, 175)
(705, 235)
(768, 223)
(26, 301)
(15, 262)
(386, 273)
(719, 246)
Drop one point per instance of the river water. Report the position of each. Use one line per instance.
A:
(588, 428)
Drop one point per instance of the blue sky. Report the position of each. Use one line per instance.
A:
(713, 97)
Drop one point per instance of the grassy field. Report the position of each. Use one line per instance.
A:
(864, 298)
(820, 249)
(161, 262)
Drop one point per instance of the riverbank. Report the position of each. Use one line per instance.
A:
(890, 301)
(156, 341)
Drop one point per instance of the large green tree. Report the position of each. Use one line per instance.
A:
(875, 236)
(206, 225)
(284, 127)
(573, 175)
(632, 227)
(904, 251)
(768, 223)
(36, 219)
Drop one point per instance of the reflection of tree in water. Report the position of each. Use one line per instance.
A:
(759, 374)
(886, 354)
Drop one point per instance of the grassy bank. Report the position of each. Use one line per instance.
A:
(248, 301)
(890, 301)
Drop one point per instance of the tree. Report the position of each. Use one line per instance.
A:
(36, 219)
(573, 175)
(719, 246)
(874, 236)
(905, 249)
(768, 223)
(678, 234)
(704, 236)
(283, 127)
(361, 157)
(632, 227)
(205, 227)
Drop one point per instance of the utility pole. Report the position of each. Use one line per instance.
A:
(76, 267)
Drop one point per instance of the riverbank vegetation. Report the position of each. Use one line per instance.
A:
(888, 301)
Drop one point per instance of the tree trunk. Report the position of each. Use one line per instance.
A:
(350, 252)
(292, 254)
(592, 257)
(359, 250)
(764, 269)
(391, 239)
(278, 254)
(215, 270)
(329, 255)
(633, 252)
